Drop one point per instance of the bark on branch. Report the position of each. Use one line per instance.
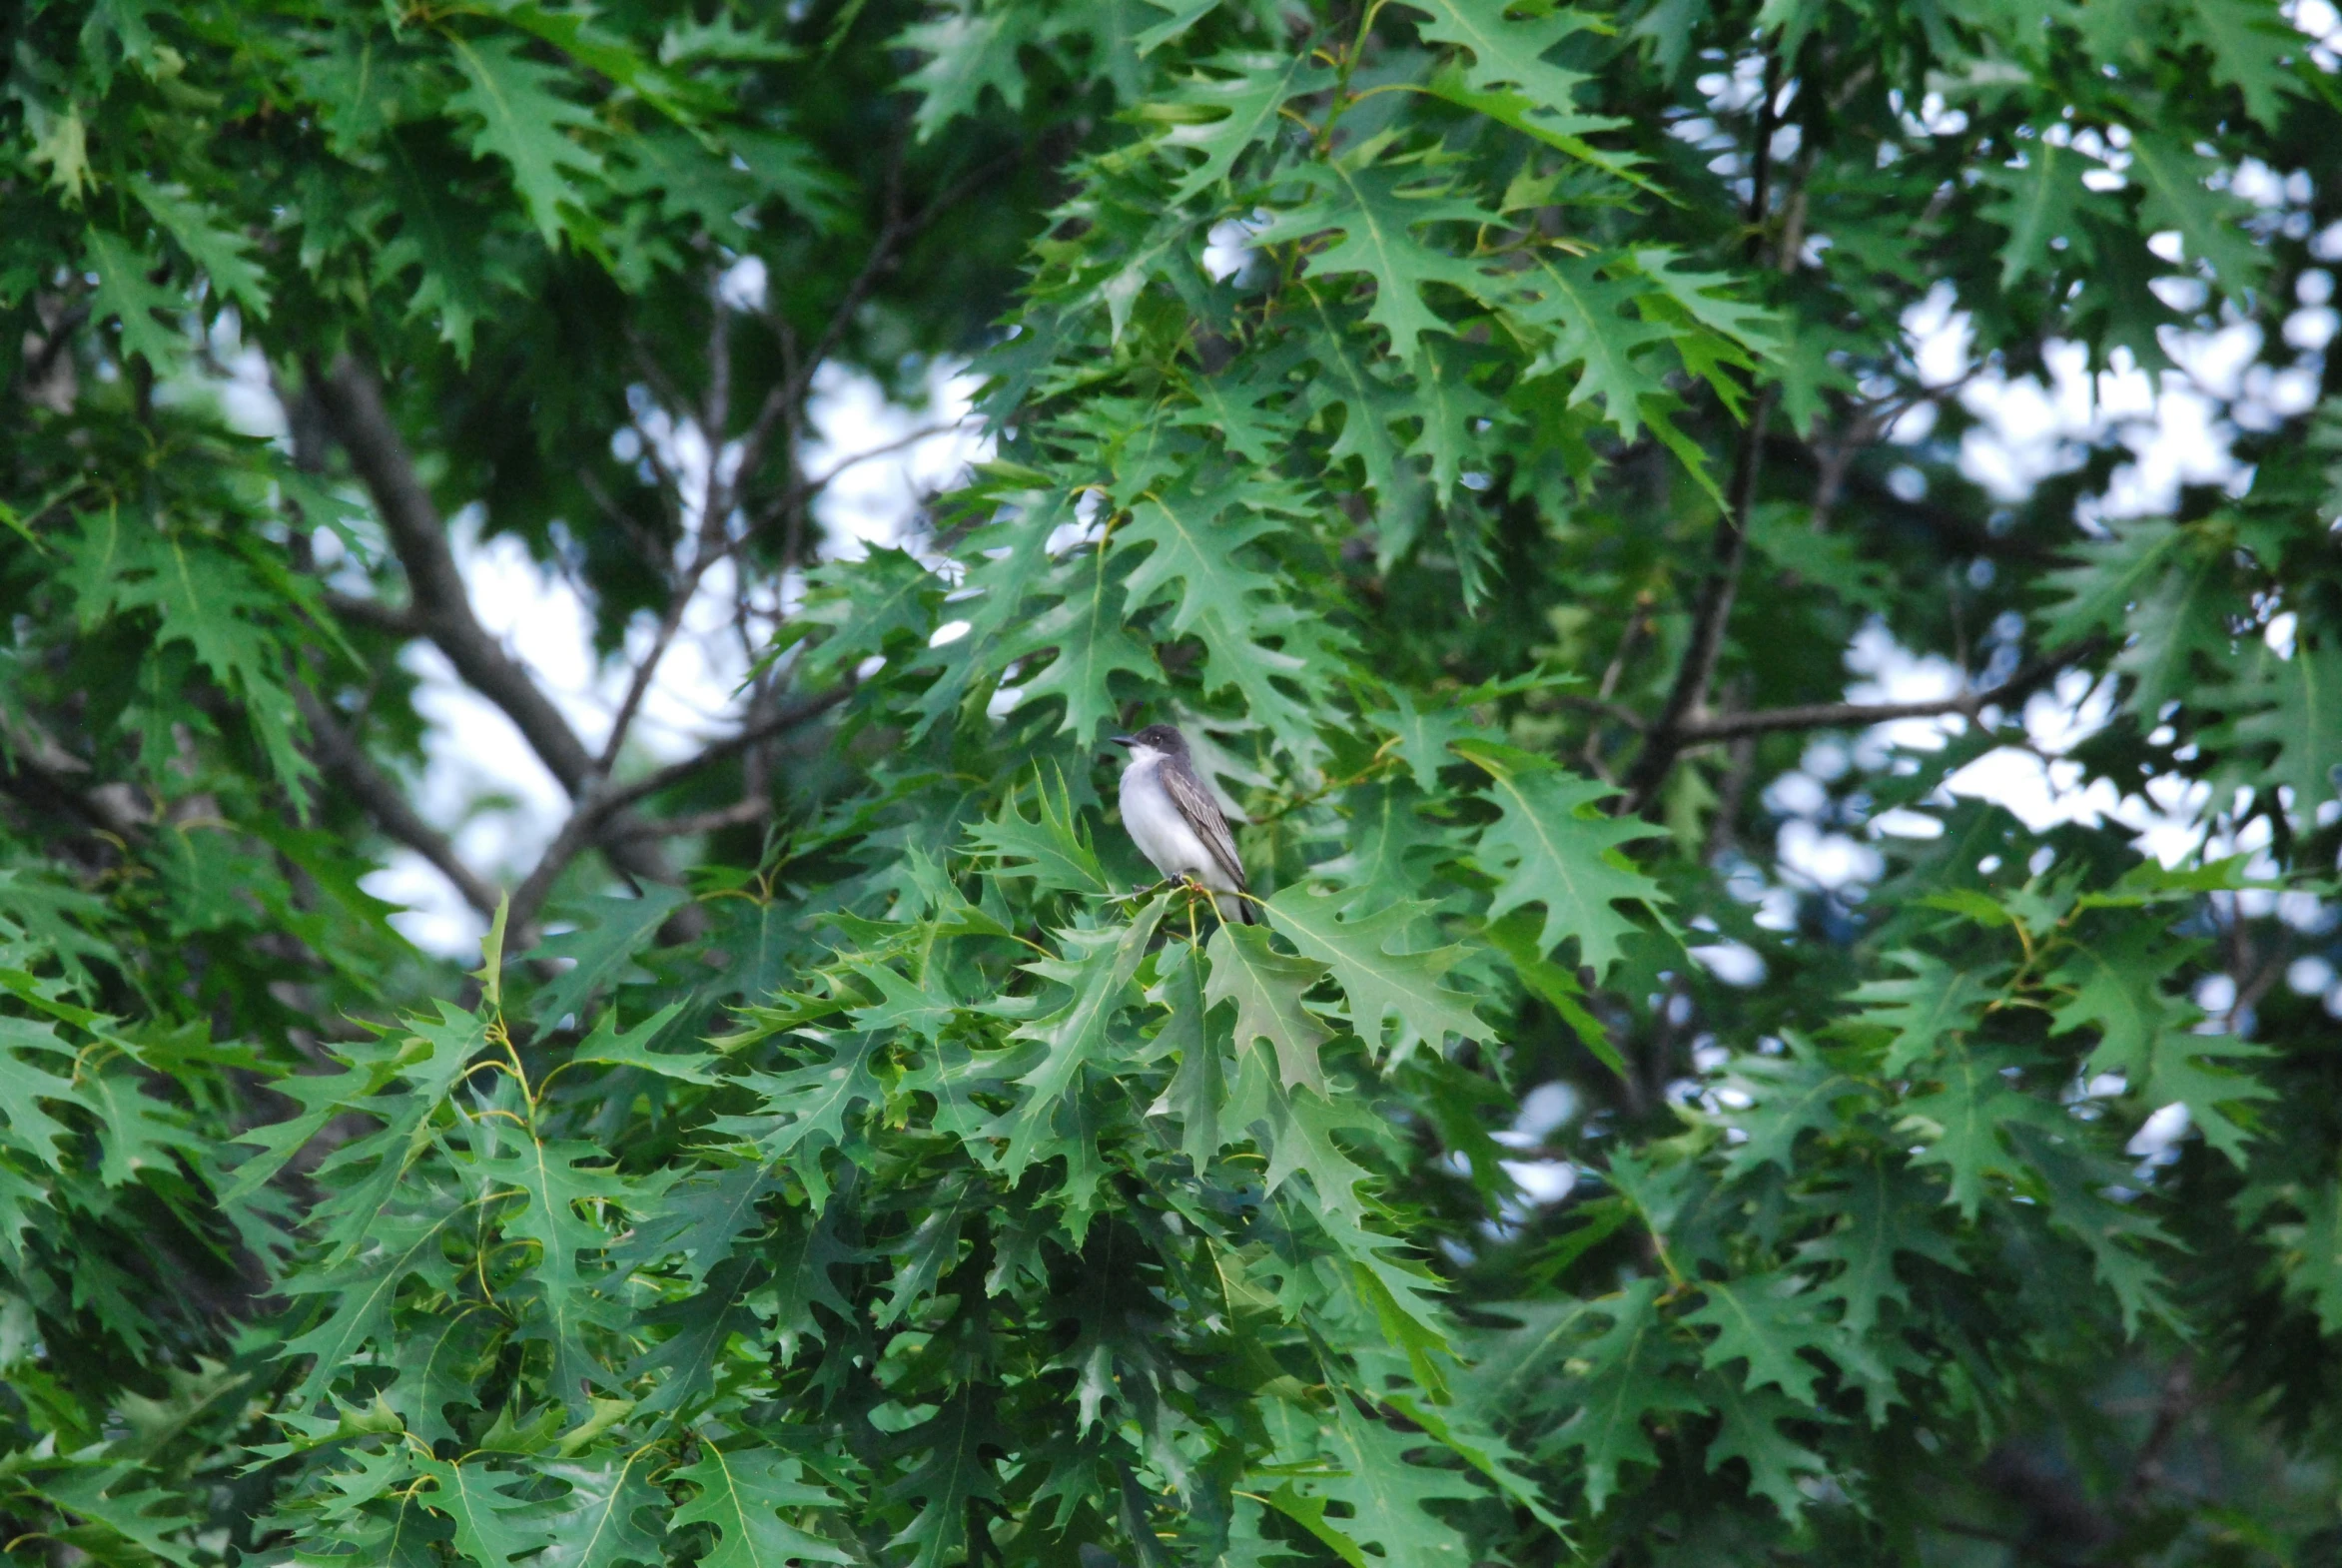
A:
(440, 605)
(1859, 715)
(340, 755)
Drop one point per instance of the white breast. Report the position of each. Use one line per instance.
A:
(1157, 826)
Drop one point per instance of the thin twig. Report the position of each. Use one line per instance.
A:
(1662, 741)
(749, 808)
(1856, 715)
(599, 813)
(1616, 712)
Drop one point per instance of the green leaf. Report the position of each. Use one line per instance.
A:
(448, 258)
(124, 294)
(597, 1524)
(1198, 560)
(2253, 50)
(1582, 308)
(1381, 984)
(1708, 299)
(973, 50)
(2041, 205)
(1049, 847)
(553, 1183)
(2181, 623)
(610, 932)
(1960, 1119)
(1764, 1320)
(1749, 1429)
(491, 1526)
(355, 1296)
(219, 251)
(698, 1217)
(1633, 1373)
(2311, 1253)
(1088, 631)
(109, 1496)
(1096, 974)
(1198, 1086)
(741, 1493)
(1551, 847)
(1881, 1217)
(801, 1112)
(688, 1360)
(1506, 52)
(2304, 720)
(521, 119)
(2115, 985)
(1349, 380)
(24, 1085)
(1267, 988)
(1243, 107)
(1383, 1495)
(901, 1005)
(2074, 1188)
(2114, 575)
(1936, 1003)
(1375, 209)
(1793, 1093)
(2172, 175)
(953, 1477)
(610, 1046)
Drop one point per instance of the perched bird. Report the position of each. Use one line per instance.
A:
(1173, 819)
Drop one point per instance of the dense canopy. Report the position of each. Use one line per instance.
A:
(1761, 582)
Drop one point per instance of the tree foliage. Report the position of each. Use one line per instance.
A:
(1485, 428)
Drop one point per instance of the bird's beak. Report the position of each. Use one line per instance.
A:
(1124, 740)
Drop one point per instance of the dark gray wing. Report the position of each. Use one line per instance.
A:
(1202, 814)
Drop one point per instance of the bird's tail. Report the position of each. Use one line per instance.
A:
(1245, 914)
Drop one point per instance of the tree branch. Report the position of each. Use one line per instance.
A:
(1664, 738)
(440, 604)
(373, 612)
(600, 813)
(1857, 715)
(382, 799)
(749, 808)
(804, 491)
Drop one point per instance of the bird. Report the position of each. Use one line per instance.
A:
(1171, 817)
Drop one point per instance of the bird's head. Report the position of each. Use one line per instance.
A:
(1164, 738)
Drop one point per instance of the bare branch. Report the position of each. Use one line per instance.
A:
(1616, 712)
(382, 799)
(599, 814)
(638, 684)
(805, 489)
(440, 602)
(749, 808)
(373, 612)
(716, 416)
(1696, 673)
(1857, 715)
(780, 723)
